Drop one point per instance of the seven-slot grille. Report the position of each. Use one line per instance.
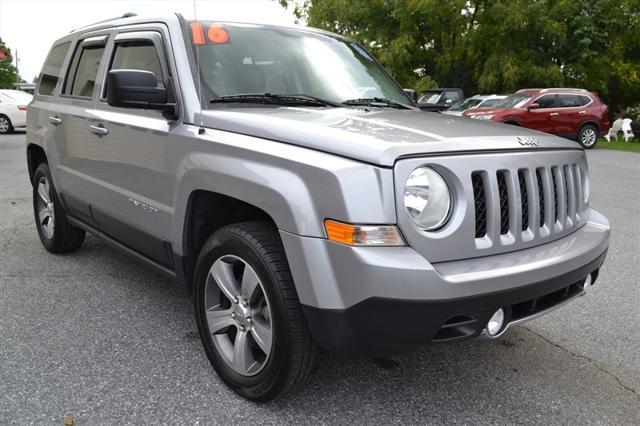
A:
(542, 201)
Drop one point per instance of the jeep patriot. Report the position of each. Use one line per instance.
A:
(287, 181)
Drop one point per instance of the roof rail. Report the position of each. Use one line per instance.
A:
(126, 15)
(564, 88)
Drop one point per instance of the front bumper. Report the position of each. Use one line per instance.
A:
(382, 299)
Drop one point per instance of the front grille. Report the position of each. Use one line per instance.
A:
(556, 195)
(480, 204)
(524, 200)
(504, 202)
(495, 200)
(542, 201)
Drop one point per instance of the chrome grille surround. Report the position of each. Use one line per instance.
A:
(488, 203)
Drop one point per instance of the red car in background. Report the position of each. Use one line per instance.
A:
(571, 113)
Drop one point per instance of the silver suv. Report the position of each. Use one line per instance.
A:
(287, 181)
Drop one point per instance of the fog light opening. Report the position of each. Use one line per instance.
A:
(496, 323)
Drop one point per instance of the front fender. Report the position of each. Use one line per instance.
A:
(298, 187)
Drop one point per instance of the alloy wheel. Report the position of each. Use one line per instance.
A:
(4, 125)
(588, 137)
(238, 315)
(46, 212)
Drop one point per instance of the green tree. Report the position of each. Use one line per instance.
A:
(495, 45)
(8, 76)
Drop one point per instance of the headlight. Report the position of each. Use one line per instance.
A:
(427, 199)
(483, 117)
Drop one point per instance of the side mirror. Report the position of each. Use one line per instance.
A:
(534, 105)
(448, 102)
(136, 89)
(412, 94)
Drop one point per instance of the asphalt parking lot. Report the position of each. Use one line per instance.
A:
(95, 336)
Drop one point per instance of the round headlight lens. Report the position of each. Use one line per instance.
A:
(427, 199)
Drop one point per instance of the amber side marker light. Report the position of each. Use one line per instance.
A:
(363, 235)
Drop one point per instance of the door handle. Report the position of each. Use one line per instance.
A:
(55, 120)
(98, 129)
(582, 112)
(554, 113)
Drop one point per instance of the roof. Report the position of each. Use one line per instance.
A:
(132, 18)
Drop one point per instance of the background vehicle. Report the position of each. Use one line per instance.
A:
(439, 99)
(297, 213)
(13, 109)
(571, 113)
(477, 101)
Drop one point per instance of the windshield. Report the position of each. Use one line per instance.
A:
(465, 105)
(429, 97)
(491, 103)
(238, 59)
(513, 101)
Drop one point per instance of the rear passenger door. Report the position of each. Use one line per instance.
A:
(133, 162)
(75, 146)
(572, 113)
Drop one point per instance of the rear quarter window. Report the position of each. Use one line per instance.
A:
(52, 69)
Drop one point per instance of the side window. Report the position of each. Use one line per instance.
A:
(84, 68)
(584, 100)
(138, 55)
(547, 101)
(570, 101)
(52, 68)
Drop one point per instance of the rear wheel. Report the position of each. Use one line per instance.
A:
(248, 313)
(5, 125)
(588, 136)
(55, 232)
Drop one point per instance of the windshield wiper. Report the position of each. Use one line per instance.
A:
(374, 101)
(275, 99)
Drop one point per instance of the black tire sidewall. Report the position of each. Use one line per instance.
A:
(266, 383)
(582, 130)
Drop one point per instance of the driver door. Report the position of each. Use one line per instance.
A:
(131, 160)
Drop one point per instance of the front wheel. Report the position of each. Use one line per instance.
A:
(248, 314)
(588, 136)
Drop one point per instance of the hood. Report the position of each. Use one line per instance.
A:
(376, 135)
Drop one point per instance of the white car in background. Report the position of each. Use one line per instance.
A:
(477, 101)
(13, 110)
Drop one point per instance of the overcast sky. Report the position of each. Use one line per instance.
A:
(31, 26)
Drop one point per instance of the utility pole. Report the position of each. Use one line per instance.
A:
(17, 72)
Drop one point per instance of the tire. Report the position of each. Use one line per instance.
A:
(269, 371)
(5, 125)
(55, 232)
(588, 136)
